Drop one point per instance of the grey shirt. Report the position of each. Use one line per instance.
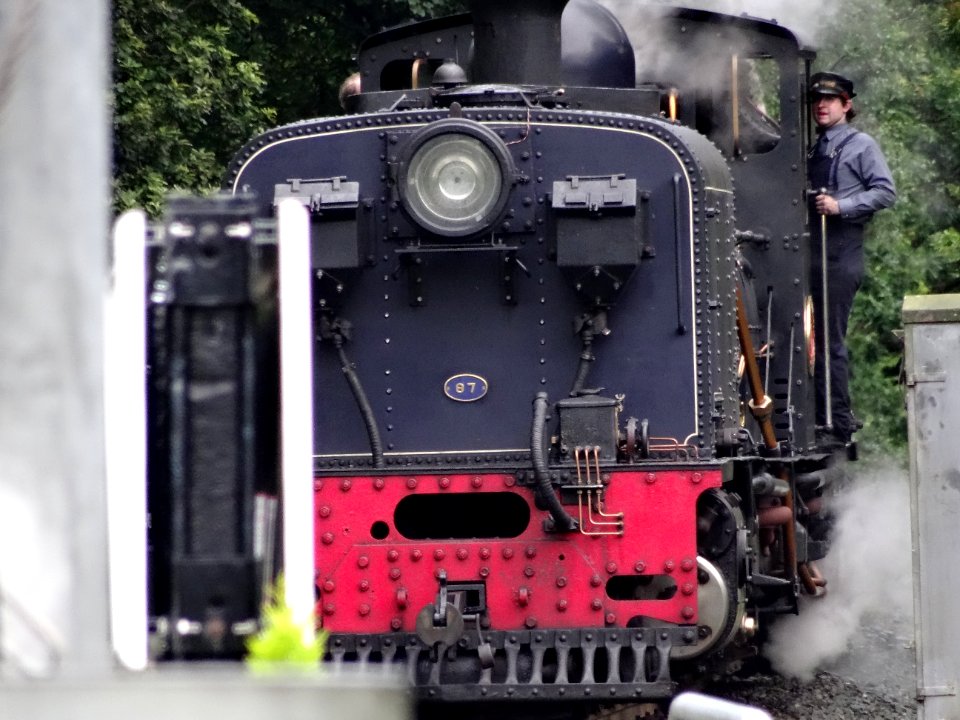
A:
(863, 180)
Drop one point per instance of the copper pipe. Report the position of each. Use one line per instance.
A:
(811, 584)
(818, 579)
(773, 516)
(761, 406)
(815, 505)
(415, 73)
(760, 399)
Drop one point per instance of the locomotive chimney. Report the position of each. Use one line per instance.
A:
(517, 41)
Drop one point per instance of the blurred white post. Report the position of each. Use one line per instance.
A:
(296, 400)
(54, 198)
(694, 706)
(125, 396)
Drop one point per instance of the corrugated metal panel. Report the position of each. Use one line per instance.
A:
(932, 365)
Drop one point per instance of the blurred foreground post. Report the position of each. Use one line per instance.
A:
(695, 706)
(54, 192)
(932, 367)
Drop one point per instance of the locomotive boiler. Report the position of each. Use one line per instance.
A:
(563, 442)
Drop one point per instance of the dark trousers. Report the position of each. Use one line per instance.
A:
(844, 276)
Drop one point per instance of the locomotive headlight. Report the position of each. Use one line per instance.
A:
(454, 178)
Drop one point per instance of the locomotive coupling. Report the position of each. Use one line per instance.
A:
(440, 624)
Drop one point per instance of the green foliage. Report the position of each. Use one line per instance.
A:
(280, 644)
(184, 97)
(307, 54)
(195, 79)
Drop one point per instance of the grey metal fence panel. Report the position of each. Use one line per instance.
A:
(932, 368)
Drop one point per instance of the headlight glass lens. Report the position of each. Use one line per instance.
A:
(453, 183)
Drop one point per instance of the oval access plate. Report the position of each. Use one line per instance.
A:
(465, 387)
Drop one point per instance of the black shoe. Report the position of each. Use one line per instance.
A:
(830, 439)
(843, 435)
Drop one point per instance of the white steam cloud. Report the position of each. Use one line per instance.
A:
(806, 19)
(869, 576)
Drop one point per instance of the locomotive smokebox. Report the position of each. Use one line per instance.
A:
(517, 41)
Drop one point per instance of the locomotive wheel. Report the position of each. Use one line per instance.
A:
(719, 618)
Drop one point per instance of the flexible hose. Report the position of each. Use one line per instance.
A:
(583, 369)
(561, 520)
(373, 432)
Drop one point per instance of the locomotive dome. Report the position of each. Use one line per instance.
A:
(595, 49)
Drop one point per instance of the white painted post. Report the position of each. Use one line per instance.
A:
(125, 365)
(296, 400)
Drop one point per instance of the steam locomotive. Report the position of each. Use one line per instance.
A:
(563, 435)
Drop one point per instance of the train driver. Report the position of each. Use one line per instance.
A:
(852, 181)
